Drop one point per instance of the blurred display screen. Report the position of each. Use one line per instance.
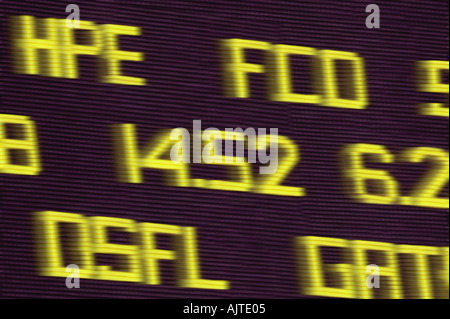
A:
(224, 149)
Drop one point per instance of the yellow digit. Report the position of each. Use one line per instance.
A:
(156, 155)
(150, 254)
(240, 171)
(357, 177)
(442, 274)
(130, 161)
(429, 79)
(19, 153)
(289, 156)
(426, 193)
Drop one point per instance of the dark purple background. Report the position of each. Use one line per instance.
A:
(243, 237)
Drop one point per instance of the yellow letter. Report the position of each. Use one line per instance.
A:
(418, 275)
(130, 161)
(390, 269)
(126, 153)
(357, 177)
(442, 275)
(235, 68)
(240, 172)
(188, 268)
(279, 73)
(150, 253)
(26, 43)
(71, 49)
(312, 270)
(49, 248)
(351, 91)
(111, 55)
(129, 262)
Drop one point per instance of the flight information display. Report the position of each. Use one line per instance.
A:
(224, 149)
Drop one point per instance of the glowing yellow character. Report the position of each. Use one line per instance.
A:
(188, 265)
(442, 274)
(289, 156)
(70, 49)
(428, 190)
(348, 92)
(279, 74)
(150, 254)
(19, 153)
(32, 52)
(357, 176)
(130, 160)
(49, 248)
(111, 55)
(239, 170)
(235, 69)
(129, 264)
(184, 255)
(312, 269)
(418, 276)
(429, 79)
(389, 270)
